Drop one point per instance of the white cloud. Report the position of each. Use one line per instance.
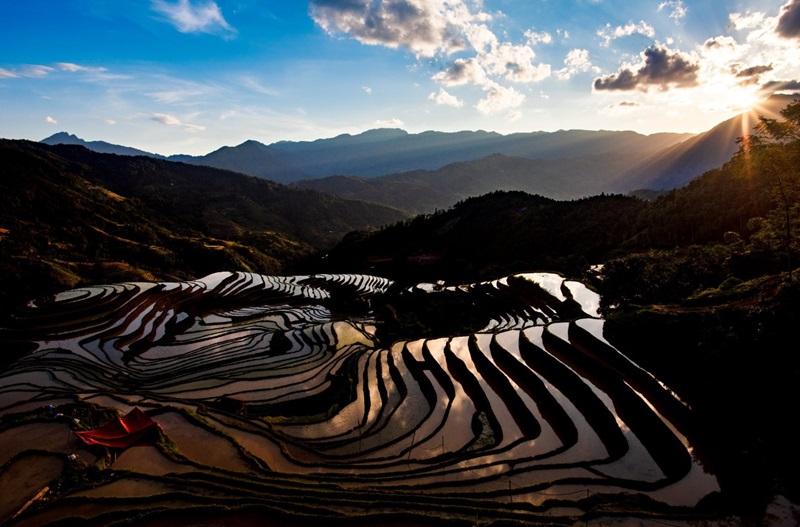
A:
(726, 73)
(50, 120)
(609, 34)
(746, 61)
(481, 38)
(678, 12)
(111, 122)
(462, 71)
(499, 98)
(513, 116)
(446, 99)
(367, 90)
(576, 61)
(38, 71)
(748, 20)
(425, 27)
(536, 38)
(256, 85)
(171, 120)
(35, 70)
(514, 63)
(69, 66)
(389, 123)
(435, 28)
(716, 44)
(191, 18)
(620, 108)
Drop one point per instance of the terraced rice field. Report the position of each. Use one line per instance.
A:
(276, 403)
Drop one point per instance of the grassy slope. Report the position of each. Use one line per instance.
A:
(70, 216)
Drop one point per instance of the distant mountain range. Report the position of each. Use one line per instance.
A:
(625, 167)
(102, 147)
(423, 191)
(388, 151)
(675, 166)
(430, 170)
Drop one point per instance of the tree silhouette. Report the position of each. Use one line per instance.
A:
(773, 151)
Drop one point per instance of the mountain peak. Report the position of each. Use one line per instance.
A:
(102, 147)
(382, 133)
(63, 138)
(252, 143)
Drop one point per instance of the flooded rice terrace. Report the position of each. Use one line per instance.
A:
(272, 394)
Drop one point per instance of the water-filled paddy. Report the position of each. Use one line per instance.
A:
(535, 411)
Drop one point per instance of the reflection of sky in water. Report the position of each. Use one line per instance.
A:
(588, 299)
(411, 434)
(550, 282)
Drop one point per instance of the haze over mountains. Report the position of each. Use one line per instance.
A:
(675, 166)
(385, 151)
(422, 172)
(590, 166)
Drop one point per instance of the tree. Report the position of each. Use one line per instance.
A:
(773, 151)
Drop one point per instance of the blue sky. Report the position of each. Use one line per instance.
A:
(190, 76)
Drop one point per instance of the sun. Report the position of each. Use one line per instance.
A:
(745, 101)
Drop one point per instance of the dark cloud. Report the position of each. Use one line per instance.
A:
(789, 21)
(719, 42)
(754, 71)
(422, 27)
(775, 86)
(662, 67)
(624, 80)
(462, 72)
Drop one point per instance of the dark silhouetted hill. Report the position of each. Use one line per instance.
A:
(491, 236)
(102, 147)
(71, 216)
(251, 158)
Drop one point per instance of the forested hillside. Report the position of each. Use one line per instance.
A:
(737, 221)
(493, 235)
(70, 216)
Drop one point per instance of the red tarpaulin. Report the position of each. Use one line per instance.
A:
(120, 433)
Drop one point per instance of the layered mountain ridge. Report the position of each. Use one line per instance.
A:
(380, 152)
(432, 170)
